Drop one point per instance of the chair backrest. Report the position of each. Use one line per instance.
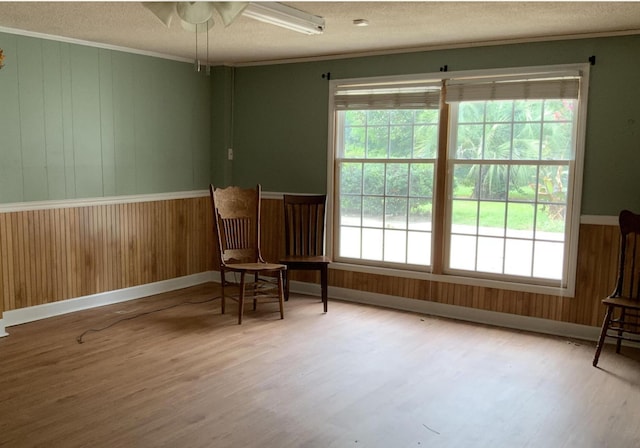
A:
(236, 218)
(304, 224)
(628, 283)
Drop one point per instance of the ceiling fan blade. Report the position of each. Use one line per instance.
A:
(229, 11)
(162, 10)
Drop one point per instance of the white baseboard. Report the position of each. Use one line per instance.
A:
(557, 328)
(24, 315)
(535, 324)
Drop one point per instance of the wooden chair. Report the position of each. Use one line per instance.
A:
(621, 320)
(236, 218)
(304, 223)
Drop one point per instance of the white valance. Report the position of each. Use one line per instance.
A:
(528, 89)
(387, 97)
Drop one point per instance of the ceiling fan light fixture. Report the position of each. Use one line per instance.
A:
(194, 12)
(285, 17)
(196, 27)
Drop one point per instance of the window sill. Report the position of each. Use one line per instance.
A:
(457, 279)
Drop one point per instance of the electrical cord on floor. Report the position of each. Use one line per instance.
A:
(91, 330)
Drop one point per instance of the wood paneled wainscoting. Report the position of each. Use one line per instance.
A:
(596, 273)
(53, 254)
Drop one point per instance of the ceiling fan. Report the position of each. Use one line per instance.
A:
(192, 14)
(198, 16)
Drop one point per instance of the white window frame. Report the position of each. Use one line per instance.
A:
(477, 279)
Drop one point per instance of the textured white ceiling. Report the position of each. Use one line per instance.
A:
(393, 26)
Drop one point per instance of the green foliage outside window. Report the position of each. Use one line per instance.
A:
(389, 135)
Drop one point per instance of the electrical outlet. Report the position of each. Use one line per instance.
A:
(230, 154)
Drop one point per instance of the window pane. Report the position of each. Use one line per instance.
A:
(493, 181)
(497, 141)
(490, 253)
(425, 143)
(527, 110)
(498, 111)
(522, 182)
(372, 243)
(395, 244)
(469, 141)
(463, 252)
(421, 181)
(420, 214)
(471, 112)
(491, 218)
(552, 184)
(401, 116)
(548, 260)
(427, 116)
(355, 117)
(350, 242)
(518, 257)
(559, 110)
(350, 210)
(396, 213)
(401, 142)
(550, 222)
(377, 117)
(351, 178)
(464, 217)
(374, 178)
(354, 141)
(557, 141)
(526, 141)
(377, 142)
(465, 180)
(419, 248)
(520, 218)
(373, 211)
(397, 179)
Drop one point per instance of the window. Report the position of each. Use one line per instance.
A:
(490, 193)
(510, 163)
(385, 169)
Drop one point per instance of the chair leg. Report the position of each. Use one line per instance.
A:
(323, 286)
(241, 298)
(285, 277)
(619, 341)
(222, 282)
(281, 293)
(603, 334)
(255, 283)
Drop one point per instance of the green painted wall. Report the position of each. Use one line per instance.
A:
(78, 121)
(281, 113)
(221, 124)
(280, 127)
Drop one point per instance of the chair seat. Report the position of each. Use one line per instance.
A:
(622, 302)
(254, 267)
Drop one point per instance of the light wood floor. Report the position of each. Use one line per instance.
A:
(358, 376)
